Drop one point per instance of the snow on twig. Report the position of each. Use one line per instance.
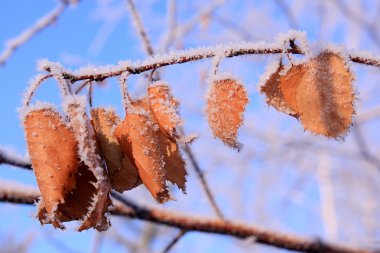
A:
(15, 192)
(196, 54)
(8, 156)
(26, 35)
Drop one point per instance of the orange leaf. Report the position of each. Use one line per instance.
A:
(122, 173)
(321, 92)
(52, 149)
(75, 108)
(163, 107)
(137, 135)
(174, 164)
(274, 96)
(226, 103)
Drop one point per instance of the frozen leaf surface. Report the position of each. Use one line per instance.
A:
(122, 173)
(163, 107)
(272, 91)
(137, 135)
(52, 149)
(75, 108)
(226, 102)
(320, 91)
(174, 163)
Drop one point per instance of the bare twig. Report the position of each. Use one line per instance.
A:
(140, 27)
(371, 28)
(26, 35)
(127, 208)
(363, 147)
(141, 31)
(207, 11)
(368, 116)
(170, 34)
(17, 193)
(326, 191)
(234, 27)
(82, 86)
(203, 180)
(288, 13)
(98, 241)
(173, 242)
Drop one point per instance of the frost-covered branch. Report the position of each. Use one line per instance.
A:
(196, 54)
(11, 158)
(26, 35)
(127, 208)
(17, 193)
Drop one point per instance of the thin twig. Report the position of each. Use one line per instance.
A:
(367, 116)
(90, 94)
(141, 31)
(173, 242)
(82, 86)
(207, 11)
(170, 34)
(203, 180)
(26, 35)
(98, 241)
(369, 27)
(140, 28)
(364, 148)
(127, 208)
(288, 13)
(234, 27)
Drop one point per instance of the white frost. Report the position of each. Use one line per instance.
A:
(24, 111)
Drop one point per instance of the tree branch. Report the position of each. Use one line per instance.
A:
(127, 208)
(196, 54)
(174, 241)
(26, 35)
(140, 27)
(14, 160)
(203, 180)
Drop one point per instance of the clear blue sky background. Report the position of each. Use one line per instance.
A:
(71, 41)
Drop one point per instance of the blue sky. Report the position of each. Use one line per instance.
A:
(74, 41)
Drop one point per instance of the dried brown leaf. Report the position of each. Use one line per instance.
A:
(75, 109)
(163, 107)
(174, 163)
(122, 173)
(137, 135)
(53, 151)
(321, 92)
(226, 103)
(273, 93)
